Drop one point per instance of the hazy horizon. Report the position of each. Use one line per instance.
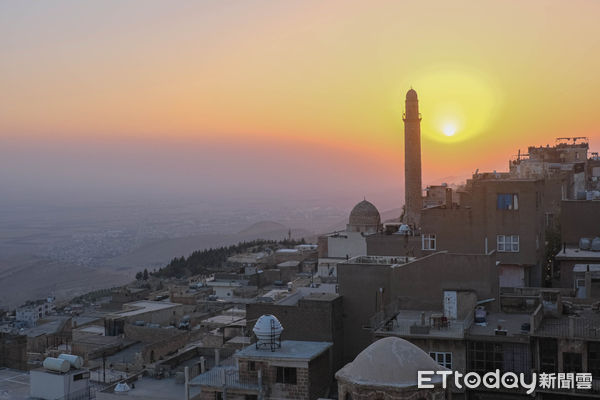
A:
(299, 100)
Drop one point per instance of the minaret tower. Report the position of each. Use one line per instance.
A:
(413, 190)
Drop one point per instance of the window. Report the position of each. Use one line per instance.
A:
(444, 359)
(251, 366)
(508, 243)
(428, 242)
(218, 396)
(572, 362)
(549, 220)
(83, 375)
(508, 201)
(485, 356)
(594, 359)
(286, 375)
(548, 355)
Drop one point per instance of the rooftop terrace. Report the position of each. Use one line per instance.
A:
(422, 324)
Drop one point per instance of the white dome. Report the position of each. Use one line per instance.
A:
(391, 362)
(267, 328)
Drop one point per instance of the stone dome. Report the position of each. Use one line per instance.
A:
(364, 214)
(411, 94)
(389, 362)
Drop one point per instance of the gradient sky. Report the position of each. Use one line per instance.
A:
(285, 97)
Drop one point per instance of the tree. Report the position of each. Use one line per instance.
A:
(145, 276)
(139, 276)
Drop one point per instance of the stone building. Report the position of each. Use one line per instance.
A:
(376, 287)
(311, 317)
(295, 370)
(501, 214)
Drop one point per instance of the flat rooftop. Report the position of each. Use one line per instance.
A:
(14, 384)
(584, 267)
(380, 260)
(289, 264)
(324, 292)
(577, 253)
(149, 388)
(290, 350)
(511, 323)
(52, 325)
(141, 307)
(224, 320)
(422, 324)
(95, 329)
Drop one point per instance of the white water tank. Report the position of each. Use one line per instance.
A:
(122, 387)
(585, 243)
(75, 361)
(404, 230)
(56, 364)
(267, 329)
(595, 244)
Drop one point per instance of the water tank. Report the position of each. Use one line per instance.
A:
(404, 230)
(267, 329)
(480, 315)
(122, 387)
(75, 361)
(56, 364)
(585, 243)
(596, 244)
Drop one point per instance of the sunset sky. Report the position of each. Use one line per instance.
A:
(297, 95)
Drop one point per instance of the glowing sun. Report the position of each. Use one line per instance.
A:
(449, 129)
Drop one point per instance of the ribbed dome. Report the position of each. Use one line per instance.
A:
(411, 94)
(364, 214)
(389, 362)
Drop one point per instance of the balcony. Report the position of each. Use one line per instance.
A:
(586, 326)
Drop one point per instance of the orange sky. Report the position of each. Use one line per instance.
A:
(302, 74)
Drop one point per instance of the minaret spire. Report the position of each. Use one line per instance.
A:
(412, 160)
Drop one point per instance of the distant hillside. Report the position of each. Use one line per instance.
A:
(160, 252)
(202, 261)
(31, 277)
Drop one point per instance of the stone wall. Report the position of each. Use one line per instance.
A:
(576, 220)
(13, 351)
(147, 334)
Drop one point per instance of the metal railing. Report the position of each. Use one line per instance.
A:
(569, 327)
(408, 325)
(226, 377)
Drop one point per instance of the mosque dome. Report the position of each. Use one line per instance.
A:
(389, 362)
(364, 217)
(411, 94)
